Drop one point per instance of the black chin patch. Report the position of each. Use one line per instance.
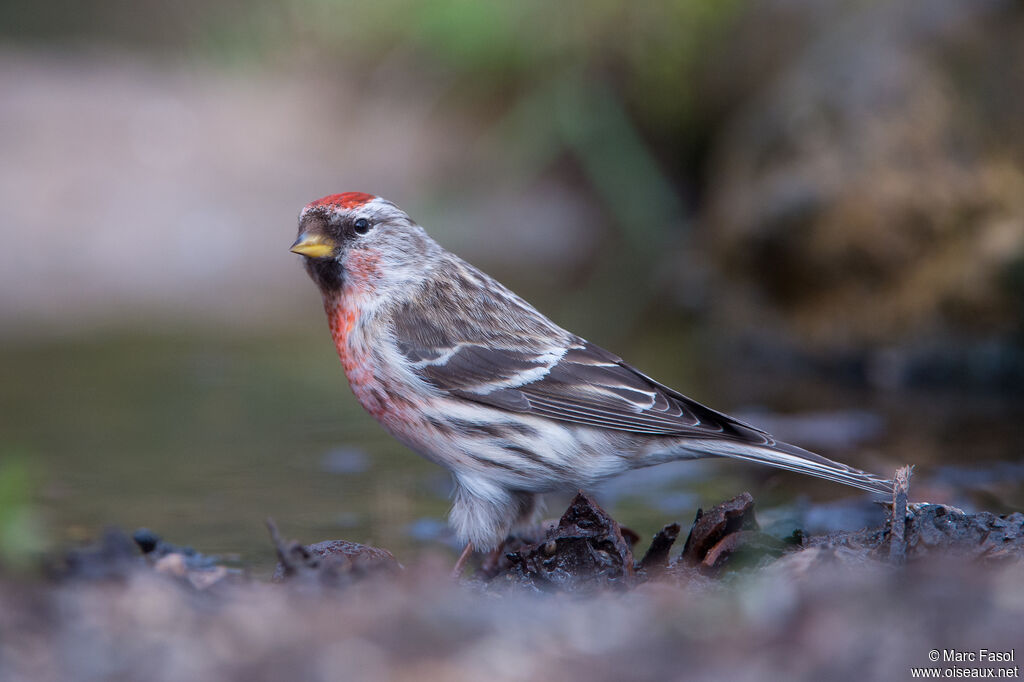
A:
(326, 272)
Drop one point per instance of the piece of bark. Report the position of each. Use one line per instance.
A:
(721, 520)
(750, 546)
(656, 558)
(332, 563)
(584, 553)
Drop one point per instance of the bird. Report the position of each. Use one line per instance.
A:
(471, 376)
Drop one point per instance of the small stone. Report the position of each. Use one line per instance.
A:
(172, 564)
(202, 580)
(146, 539)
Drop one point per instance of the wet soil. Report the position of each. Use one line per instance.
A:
(580, 598)
(586, 551)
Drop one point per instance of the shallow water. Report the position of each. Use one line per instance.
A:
(202, 436)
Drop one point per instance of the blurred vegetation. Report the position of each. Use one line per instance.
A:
(604, 65)
(599, 91)
(642, 57)
(23, 535)
(494, 51)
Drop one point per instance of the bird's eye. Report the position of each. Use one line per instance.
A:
(362, 225)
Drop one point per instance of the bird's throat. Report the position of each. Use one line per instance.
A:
(341, 318)
(327, 273)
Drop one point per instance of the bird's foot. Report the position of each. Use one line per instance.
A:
(460, 563)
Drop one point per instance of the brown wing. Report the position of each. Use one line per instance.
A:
(479, 342)
(491, 347)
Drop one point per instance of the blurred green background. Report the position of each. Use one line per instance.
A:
(810, 213)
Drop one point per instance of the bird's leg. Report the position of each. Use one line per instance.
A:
(461, 561)
(491, 560)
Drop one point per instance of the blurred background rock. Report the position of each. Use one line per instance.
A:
(866, 200)
(733, 195)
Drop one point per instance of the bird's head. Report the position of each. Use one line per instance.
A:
(363, 241)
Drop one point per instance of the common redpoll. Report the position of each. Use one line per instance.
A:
(474, 378)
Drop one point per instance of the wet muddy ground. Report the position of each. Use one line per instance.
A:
(577, 598)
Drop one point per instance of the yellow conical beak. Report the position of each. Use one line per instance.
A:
(313, 246)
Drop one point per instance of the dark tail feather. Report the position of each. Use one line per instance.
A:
(790, 457)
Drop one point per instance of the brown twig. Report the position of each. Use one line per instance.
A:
(898, 522)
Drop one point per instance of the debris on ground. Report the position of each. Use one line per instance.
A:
(816, 604)
(332, 563)
(587, 551)
(112, 557)
(728, 533)
(657, 557)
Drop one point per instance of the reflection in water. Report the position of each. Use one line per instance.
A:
(201, 438)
